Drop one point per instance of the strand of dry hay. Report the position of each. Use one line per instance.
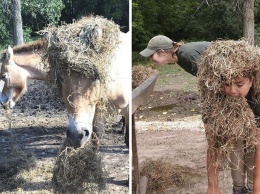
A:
(228, 119)
(162, 175)
(85, 46)
(79, 170)
(231, 120)
(139, 74)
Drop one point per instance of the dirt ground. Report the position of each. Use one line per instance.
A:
(31, 143)
(169, 125)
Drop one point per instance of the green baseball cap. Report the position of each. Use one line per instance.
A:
(157, 42)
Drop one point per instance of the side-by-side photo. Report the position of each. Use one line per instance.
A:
(65, 90)
(195, 99)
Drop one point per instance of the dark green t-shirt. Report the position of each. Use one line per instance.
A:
(188, 55)
(254, 106)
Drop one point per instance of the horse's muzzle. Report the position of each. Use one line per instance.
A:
(79, 137)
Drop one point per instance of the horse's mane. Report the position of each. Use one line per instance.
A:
(32, 46)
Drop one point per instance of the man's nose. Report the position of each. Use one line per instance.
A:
(233, 89)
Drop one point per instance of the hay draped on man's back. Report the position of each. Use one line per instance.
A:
(85, 46)
(228, 119)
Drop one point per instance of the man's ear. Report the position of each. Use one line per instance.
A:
(175, 49)
(174, 54)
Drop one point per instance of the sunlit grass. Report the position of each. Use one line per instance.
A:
(173, 76)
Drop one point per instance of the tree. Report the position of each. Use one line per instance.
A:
(248, 21)
(36, 14)
(17, 22)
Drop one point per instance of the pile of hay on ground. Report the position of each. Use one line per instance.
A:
(163, 175)
(139, 74)
(85, 46)
(79, 170)
(228, 118)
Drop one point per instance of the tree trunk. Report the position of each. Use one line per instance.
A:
(17, 22)
(248, 21)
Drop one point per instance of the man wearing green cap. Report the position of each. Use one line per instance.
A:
(162, 50)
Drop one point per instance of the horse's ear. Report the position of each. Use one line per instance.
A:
(49, 37)
(9, 53)
(97, 32)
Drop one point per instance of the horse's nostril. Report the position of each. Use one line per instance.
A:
(86, 132)
(67, 132)
(80, 136)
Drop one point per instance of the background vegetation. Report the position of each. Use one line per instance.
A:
(36, 14)
(188, 20)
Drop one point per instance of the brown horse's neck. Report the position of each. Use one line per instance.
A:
(29, 58)
(35, 73)
(32, 64)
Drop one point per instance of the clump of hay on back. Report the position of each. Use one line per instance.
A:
(79, 170)
(228, 119)
(162, 175)
(85, 46)
(139, 74)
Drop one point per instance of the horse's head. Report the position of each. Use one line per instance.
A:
(12, 81)
(80, 95)
(14, 76)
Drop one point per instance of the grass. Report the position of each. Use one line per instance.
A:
(173, 76)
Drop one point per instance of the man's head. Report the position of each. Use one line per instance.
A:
(238, 86)
(158, 42)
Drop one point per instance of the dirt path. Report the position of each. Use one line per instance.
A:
(184, 146)
(169, 125)
(29, 149)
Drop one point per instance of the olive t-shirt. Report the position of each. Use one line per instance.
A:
(188, 55)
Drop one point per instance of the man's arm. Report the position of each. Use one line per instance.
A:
(257, 167)
(212, 167)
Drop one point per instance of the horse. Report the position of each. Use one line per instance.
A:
(80, 94)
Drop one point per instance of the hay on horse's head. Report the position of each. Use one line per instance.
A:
(86, 46)
(228, 118)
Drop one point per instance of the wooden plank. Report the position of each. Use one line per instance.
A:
(136, 174)
(140, 93)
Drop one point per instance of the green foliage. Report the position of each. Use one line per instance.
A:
(38, 13)
(5, 36)
(138, 59)
(187, 20)
(27, 34)
(219, 19)
(117, 10)
(35, 15)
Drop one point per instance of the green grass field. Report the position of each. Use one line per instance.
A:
(173, 77)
